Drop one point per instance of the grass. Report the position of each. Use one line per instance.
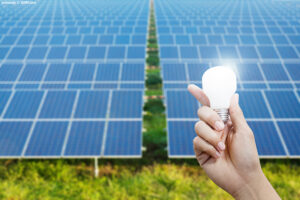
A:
(152, 177)
(67, 179)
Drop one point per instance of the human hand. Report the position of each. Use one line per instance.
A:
(227, 152)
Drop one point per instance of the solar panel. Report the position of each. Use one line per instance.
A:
(261, 45)
(66, 76)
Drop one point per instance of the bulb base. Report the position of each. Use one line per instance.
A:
(223, 113)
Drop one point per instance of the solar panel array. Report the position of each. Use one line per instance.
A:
(260, 40)
(72, 78)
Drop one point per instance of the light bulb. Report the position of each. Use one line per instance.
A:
(219, 84)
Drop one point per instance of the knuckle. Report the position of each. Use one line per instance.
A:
(198, 125)
(202, 110)
(211, 116)
(195, 140)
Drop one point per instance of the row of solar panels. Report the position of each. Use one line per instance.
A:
(78, 23)
(269, 143)
(228, 29)
(265, 104)
(55, 139)
(71, 76)
(261, 45)
(221, 23)
(61, 123)
(228, 39)
(73, 39)
(74, 30)
(59, 104)
(73, 52)
(263, 75)
(229, 52)
(35, 72)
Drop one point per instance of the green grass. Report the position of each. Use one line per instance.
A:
(63, 179)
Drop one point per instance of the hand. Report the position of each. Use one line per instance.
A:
(227, 152)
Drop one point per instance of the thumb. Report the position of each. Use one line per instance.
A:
(236, 113)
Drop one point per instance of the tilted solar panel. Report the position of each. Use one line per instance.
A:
(72, 81)
(261, 45)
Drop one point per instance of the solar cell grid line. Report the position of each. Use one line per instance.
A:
(75, 105)
(33, 125)
(106, 124)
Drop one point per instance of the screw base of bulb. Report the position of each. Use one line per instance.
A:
(223, 113)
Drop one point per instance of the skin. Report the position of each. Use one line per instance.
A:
(227, 152)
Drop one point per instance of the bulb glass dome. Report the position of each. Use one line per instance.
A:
(219, 84)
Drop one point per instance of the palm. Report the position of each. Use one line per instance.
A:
(232, 168)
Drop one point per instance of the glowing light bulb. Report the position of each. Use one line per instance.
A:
(219, 84)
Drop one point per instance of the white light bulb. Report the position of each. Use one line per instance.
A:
(219, 84)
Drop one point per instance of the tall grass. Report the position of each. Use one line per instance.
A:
(61, 179)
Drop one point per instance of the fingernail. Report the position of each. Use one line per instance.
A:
(218, 154)
(221, 146)
(235, 100)
(219, 125)
(191, 85)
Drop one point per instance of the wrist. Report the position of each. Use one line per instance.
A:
(256, 187)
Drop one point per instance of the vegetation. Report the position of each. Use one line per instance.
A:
(63, 179)
(152, 177)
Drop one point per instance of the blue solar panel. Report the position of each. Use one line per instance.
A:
(175, 72)
(4, 96)
(3, 52)
(33, 72)
(58, 104)
(207, 52)
(13, 137)
(176, 109)
(58, 72)
(253, 104)
(83, 72)
(293, 70)
(267, 52)
(287, 52)
(133, 72)
(136, 52)
(116, 53)
(96, 53)
(249, 72)
(168, 52)
(37, 53)
(76, 52)
(196, 71)
(180, 138)
(24, 104)
(291, 135)
(266, 138)
(18, 53)
(57, 52)
(47, 139)
(133, 101)
(189, 52)
(261, 47)
(92, 104)
(9, 72)
(121, 143)
(284, 104)
(85, 139)
(228, 52)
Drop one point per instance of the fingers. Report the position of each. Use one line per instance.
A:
(236, 113)
(198, 94)
(210, 136)
(201, 145)
(210, 117)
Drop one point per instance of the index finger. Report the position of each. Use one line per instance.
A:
(198, 94)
